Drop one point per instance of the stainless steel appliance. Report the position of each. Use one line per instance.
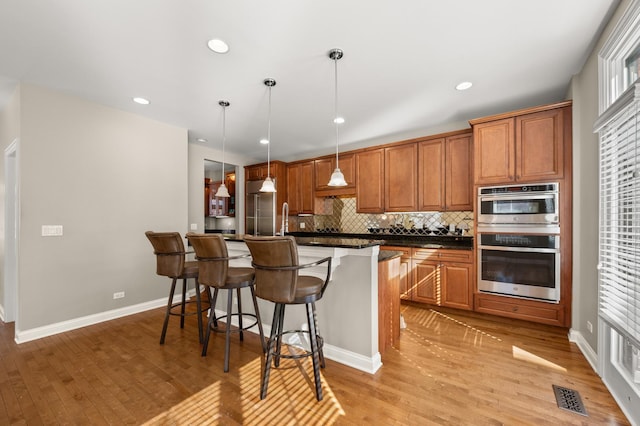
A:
(260, 210)
(518, 237)
(535, 205)
(521, 265)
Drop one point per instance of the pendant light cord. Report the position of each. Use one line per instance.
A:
(269, 138)
(335, 118)
(224, 135)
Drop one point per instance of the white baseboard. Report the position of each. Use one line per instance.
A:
(22, 336)
(591, 355)
(1, 313)
(354, 360)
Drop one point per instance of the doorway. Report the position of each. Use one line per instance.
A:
(11, 227)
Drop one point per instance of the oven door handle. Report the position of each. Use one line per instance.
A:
(512, 197)
(521, 249)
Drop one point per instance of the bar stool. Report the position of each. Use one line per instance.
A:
(215, 272)
(170, 262)
(275, 260)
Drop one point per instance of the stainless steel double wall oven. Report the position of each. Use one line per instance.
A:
(518, 237)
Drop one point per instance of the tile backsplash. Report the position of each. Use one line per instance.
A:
(341, 216)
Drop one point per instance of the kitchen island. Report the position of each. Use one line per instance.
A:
(348, 312)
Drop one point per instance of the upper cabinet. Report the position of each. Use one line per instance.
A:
(324, 167)
(370, 181)
(401, 178)
(300, 187)
(522, 146)
(444, 173)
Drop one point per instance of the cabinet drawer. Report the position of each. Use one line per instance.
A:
(445, 255)
(406, 251)
(521, 309)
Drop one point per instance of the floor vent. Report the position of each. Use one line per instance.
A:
(569, 399)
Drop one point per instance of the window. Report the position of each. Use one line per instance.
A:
(619, 230)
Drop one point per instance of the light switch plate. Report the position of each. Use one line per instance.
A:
(51, 230)
(194, 226)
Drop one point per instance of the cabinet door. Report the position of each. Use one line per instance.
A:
(370, 181)
(540, 146)
(494, 156)
(431, 176)
(324, 167)
(293, 194)
(305, 186)
(401, 178)
(458, 187)
(456, 288)
(427, 285)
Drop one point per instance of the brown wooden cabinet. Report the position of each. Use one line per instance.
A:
(401, 178)
(405, 271)
(216, 206)
(324, 167)
(370, 181)
(388, 304)
(300, 187)
(443, 277)
(522, 146)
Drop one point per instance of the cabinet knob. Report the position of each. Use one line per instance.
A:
(515, 309)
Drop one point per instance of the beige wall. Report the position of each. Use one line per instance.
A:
(584, 90)
(107, 176)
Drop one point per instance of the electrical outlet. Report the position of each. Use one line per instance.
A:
(118, 295)
(589, 326)
(194, 226)
(302, 225)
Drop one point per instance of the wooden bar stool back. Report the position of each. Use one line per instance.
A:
(275, 260)
(171, 262)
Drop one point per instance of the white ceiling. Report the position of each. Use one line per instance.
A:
(402, 60)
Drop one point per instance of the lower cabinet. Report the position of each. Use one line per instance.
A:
(442, 277)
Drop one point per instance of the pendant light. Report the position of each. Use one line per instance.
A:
(337, 178)
(222, 189)
(268, 185)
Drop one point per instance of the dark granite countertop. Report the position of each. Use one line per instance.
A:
(324, 241)
(421, 241)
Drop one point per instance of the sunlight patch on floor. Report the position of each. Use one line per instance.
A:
(521, 354)
(290, 400)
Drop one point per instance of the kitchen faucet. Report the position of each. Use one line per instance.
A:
(285, 218)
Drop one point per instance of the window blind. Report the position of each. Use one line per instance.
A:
(619, 253)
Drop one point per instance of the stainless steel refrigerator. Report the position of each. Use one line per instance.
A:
(260, 210)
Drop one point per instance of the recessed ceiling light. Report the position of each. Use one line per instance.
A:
(141, 101)
(201, 140)
(464, 85)
(218, 45)
(338, 120)
(264, 141)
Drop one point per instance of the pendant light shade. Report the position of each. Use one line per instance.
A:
(337, 178)
(268, 185)
(222, 189)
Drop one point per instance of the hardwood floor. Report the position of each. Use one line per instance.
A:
(449, 368)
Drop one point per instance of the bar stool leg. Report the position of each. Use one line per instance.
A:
(279, 337)
(239, 313)
(257, 312)
(184, 301)
(199, 309)
(315, 321)
(313, 337)
(212, 323)
(166, 315)
(213, 307)
(264, 385)
(227, 337)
